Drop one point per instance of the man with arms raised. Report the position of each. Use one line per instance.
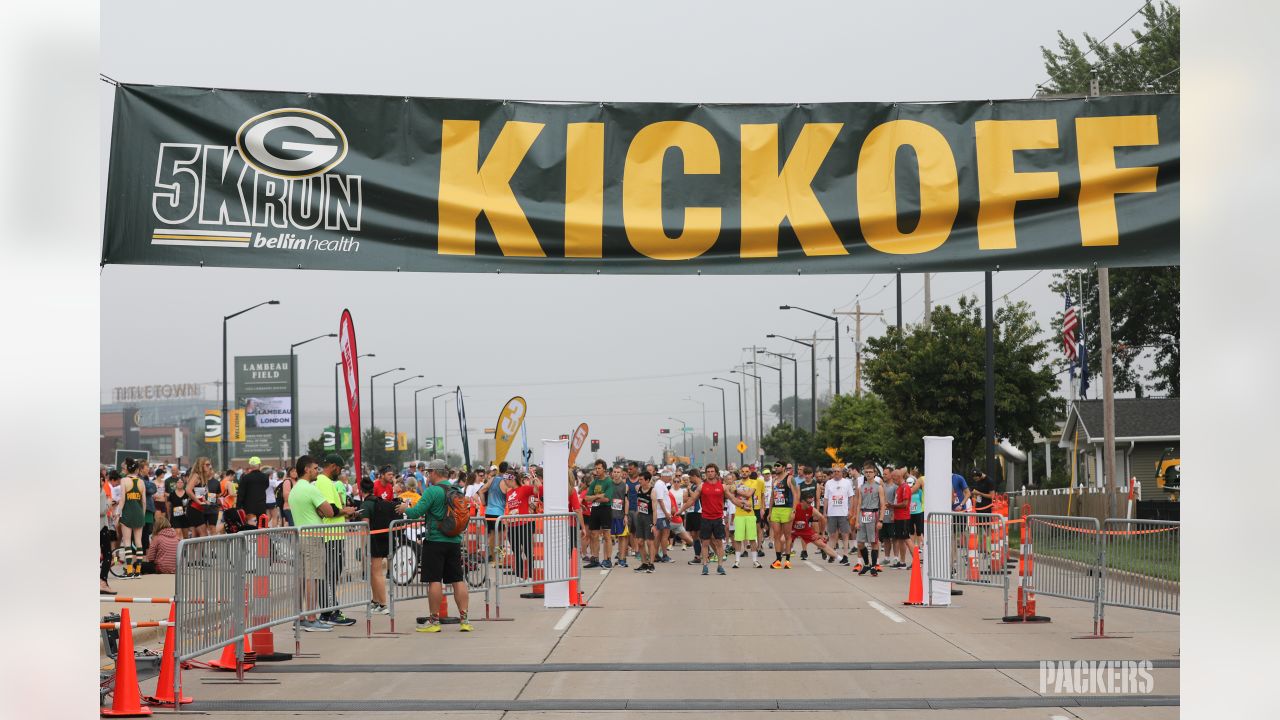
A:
(441, 554)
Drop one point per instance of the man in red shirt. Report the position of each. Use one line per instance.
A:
(902, 519)
(523, 500)
(385, 486)
(711, 525)
(802, 529)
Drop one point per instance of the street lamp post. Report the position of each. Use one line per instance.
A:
(724, 420)
(293, 391)
(395, 419)
(226, 420)
(417, 441)
(759, 408)
(704, 418)
(813, 382)
(373, 407)
(836, 337)
(435, 450)
(779, 369)
(795, 383)
(741, 432)
(684, 434)
(337, 419)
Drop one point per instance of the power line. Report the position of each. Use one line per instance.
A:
(1101, 42)
(1024, 282)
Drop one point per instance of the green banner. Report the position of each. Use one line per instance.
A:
(262, 391)
(357, 182)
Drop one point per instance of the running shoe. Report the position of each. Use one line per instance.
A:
(639, 568)
(715, 558)
(804, 554)
(695, 561)
(592, 564)
(900, 566)
(338, 619)
(756, 563)
(830, 558)
(735, 563)
(665, 559)
(844, 560)
(720, 570)
(431, 627)
(622, 562)
(705, 571)
(606, 564)
(381, 610)
(875, 571)
(857, 567)
(465, 626)
(865, 569)
(877, 568)
(786, 564)
(315, 626)
(759, 553)
(777, 565)
(650, 569)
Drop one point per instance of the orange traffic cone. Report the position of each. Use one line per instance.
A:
(127, 698)
(228, 659)
(574, 595)
(915, 592)
(168, 666)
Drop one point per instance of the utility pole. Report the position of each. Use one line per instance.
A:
(990, 390)
(899, 280)
(858, 314)
(928, 302)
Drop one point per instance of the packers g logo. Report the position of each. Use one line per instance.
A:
(291, 143)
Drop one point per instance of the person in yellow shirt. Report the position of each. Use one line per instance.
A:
(408, 491)
(756, 481)
(745, 537)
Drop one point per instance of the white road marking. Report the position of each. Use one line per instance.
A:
(886, 612)
(813, 567)
(604, 572)
(567, 618)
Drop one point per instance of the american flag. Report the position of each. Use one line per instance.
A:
(1070, 325)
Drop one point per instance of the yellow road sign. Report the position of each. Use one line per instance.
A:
(742, 447)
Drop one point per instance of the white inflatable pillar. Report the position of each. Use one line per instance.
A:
(555, 499)
(937, 498)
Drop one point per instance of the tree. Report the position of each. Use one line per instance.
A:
(789, 408)
(932, 380)
(1145, 302)
(794, 445)
(861, 429)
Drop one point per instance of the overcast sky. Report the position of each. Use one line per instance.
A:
(620, 353)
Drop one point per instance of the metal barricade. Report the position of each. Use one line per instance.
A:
(1140, 568)
(404, 562)
(968, 549)
(209, 596)
(535, 549)
(336, 569)
(273, 576)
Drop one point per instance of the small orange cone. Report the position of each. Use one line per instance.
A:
(228, 659)
(127, 698)
(168, 666)
(915, 593)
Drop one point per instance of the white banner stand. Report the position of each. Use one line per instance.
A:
(555, 499)
(937, 498)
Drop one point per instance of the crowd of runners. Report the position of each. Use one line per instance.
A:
(627, 515)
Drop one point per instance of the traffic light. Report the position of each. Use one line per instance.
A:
(595, 446)
(665, 431)
(715, 438)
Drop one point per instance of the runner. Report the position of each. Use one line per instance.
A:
(901, 519)
(663, 504)
(633, 490)
(179, 508)
(784, 498)
(916, 509)
(678, 529)
(836, 492)
(619, 520)
(274, 501)
(598, 492)
(132, 517)
(520, 501)
(807, 487)
(803, 529)
(745, 537)
(251, 496)
(378, 512)
(871, 501)
(642, 524)
(693, 518)
(710, 493)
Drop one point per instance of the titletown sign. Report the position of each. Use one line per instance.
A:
(168, 391)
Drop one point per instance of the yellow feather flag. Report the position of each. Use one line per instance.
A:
(509, 422)
(576, 443)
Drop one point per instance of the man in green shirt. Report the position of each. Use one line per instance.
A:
(600, 520)
(441, 554)
(334, 494)
(309, 507)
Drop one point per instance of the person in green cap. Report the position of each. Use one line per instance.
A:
(441, 554)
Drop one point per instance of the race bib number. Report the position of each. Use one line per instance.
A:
(800, 525)
(617, 504)
(779, 496)
(868, 516)
(201, 492)
(642, 506)
(179, 511)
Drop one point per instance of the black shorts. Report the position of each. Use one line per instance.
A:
(916, 524)
(642, 526)
(601, 518)
(491, 523)
(210, 518)
(902, 529)
(379, 545)
(692, 521)
(442, 562)
(709, 529)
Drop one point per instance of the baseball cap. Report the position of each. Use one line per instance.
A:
(255, 461)
(493, 468)
(766, 471)
(334, 459)
(438, 465)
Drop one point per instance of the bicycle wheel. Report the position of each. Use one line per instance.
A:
(403, 564)
(117, 562)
